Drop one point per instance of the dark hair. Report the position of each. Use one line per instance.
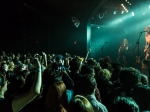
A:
(129, 77)
(88, 84)
(59, 57)
(106, 63)
(144, 79)
(87, 69)
(97, 69)
(126, 104)
(75, 64)
(91, 61)
(80, 104)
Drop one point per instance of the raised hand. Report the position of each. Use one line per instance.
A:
(44, 53)
(89, 50)
(37, 63)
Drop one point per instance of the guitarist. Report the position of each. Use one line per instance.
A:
(122, 51)
(147, 46)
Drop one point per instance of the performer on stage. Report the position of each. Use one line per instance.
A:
(147, 46)
(122, 51)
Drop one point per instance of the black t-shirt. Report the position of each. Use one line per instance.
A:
(75, 76)
(6, 105)
(140, 95)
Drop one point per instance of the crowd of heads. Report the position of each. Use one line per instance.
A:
(68, 82)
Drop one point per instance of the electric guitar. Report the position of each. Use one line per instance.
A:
(146, 48)
(122, 52)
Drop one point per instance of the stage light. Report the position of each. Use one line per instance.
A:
(126, 10)
(122, 12)
(149, 6)
(115, 12)
(132, 13)
(124, 7)
(143, 13)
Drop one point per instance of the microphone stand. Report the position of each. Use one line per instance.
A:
(137, 44)
(102, 48)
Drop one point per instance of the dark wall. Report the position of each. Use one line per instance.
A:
(29, 26)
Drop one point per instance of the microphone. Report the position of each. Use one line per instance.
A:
(143, 31)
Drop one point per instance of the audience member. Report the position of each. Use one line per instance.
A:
(80, 104)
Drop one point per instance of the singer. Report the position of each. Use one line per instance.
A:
(147, 46)
(122, 51)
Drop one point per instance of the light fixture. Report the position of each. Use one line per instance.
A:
(115, 12)
(124, 7)
(132, 13)
(122, 12)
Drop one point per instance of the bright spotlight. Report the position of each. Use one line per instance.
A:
(122, 12)
(115, 12)
(124, 8)
(143, 13)
(132, 13)
(149, 6)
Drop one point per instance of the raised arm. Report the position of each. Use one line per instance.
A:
(45, 59)
(20, 101)
(89, 50)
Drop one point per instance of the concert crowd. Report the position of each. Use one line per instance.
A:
(69, 83)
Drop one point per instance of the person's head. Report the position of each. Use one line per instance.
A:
(97, 69)
(144, 79)
(75, 64)
(126, 104)
(59, 59)
(4, 66)
(129, 77)
(11, 65)
(49, 63)
(105, 63)
(56, 98)
(17, 57)
(88, 85)
(147, 28)
(104, 73)
(117, 67)
(125, 41)
(87, 69)
(80, 104)
(92, 62)
(22, 67)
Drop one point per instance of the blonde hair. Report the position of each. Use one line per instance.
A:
(104, 73)
(148, 30)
